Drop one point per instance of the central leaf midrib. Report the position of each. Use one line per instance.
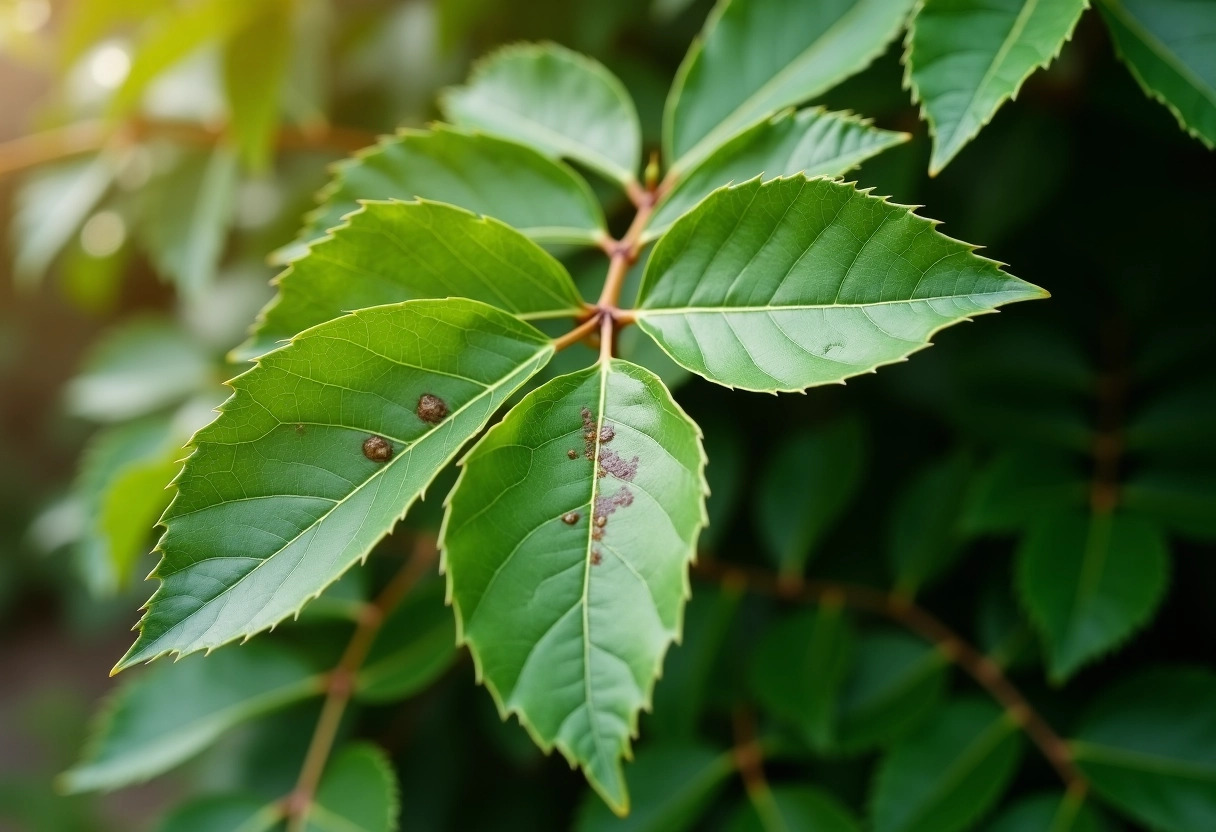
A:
(648, 312)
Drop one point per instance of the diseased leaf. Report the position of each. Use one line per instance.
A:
(945, 775)
(173, 711)
(1170, 48)
(387, 252)
(414, 646)
(795, 809)
(1148, 747)
(255, 65)
(808, 483)
(322, 447)
(1047, 813)
(795, 51)
(566, 544)
(924, 536)
(1090, 582)
(670, 786)
(358, 793)
(967, 57)
(224, 813)
(52, 205)
(560, 102)
(542, 198)
(784, 285)
(811, 141)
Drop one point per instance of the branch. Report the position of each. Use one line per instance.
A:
(987, 673)
(749, 762)
(341, 684)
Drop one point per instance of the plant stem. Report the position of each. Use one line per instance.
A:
(749, 762)
(986, 672)
(578, 333)
(341, 685)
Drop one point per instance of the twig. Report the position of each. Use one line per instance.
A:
(341, 684)
(749, 762)
(987, 673)
(577, 334)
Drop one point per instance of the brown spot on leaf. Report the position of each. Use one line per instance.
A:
(573, 454)
(596, 557)
(377, 449)
(613, 463)
(570, 518)
(607, 432)
(431, 408)
(299, 428)
(588, 433)
(601, 520)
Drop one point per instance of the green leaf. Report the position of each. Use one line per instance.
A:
(947, 774)
(968, 57)
(560, 102)
(1170, 48)
(784, 285)
(542, 198)
(795, 809)
(186, 245)
(566, 544)
(1047, 813)
(173, 711)
(140, 367)
(896, 681)
(1180, 499)
(924, 537)
(812, 142)
(387, 252)
(413, 648)
(51, 206)
(224, 813)
(358, 793)
(799, 668)
(795, 51)
(671, 786)
(808, 483)
(1149, 748)
(1020, 485)
(255, 65)
(280, 496)
(1090, 582)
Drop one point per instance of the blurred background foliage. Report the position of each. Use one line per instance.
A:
(155, 153)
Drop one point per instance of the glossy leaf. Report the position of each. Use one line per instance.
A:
(1089, 583)
(948, 773)
(542, 198)
(924, 536)
(560, 102)
(794, 809)
(281, 495)
(1148, 747)
(968, 57)
(795, 51)
(255, 65)
(812, 142)
(358, 793)
(224, 813)
(807, 485)
(1170, 48)
(173, 711)
(798, 282)
(670, 787)
(415, 645)
(387, 252)
(566, 545)
(1047, 813)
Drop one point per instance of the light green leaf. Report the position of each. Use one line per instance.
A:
(795, 809)
(566, 544)
(186, 245)
(358, 793)
(255, 65)
(924, 537)
(51, 206)
(784, 285)
(387, 252)
(280, 496)
(1170, 48)
(799, 667)
(1047, 813)
(896, 681)
(670, 786)
(1020, 485)
(1149, 748)
(795, 51)
(812, 142)
(137, 368)
(542, 198)
(1181, 499)
(1090, 582)
(948, 773)
(808, 483)
(224, 813)
(560, 102)
(967, 57)
(414, 646)
(173, 711)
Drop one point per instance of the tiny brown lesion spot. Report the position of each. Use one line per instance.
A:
(572, 454)
(596, 557)
(377, 449)
(431, 408)
(613, 463)
(607, 432)
(299, 428)
(570, 518)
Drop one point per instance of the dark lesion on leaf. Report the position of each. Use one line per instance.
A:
(570, 518)
(610, 463)
(377, 449)
(431, 409)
